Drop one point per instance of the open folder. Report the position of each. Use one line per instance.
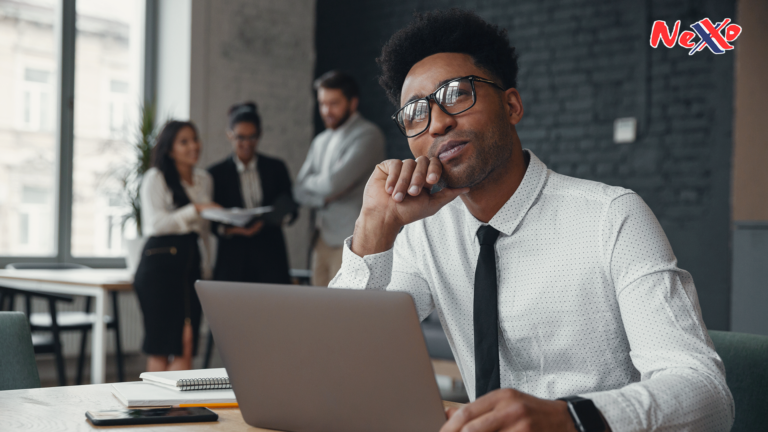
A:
(142, 394)
(235, 216)
(274, 214)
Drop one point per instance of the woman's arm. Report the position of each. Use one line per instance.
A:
(156, 200)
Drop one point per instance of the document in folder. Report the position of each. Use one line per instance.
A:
(235, 216)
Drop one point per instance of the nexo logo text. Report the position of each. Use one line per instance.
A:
(708, 33)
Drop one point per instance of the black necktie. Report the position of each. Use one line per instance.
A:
(486, 315)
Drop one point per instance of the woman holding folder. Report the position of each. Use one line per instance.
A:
(248, 179)
(173, 193)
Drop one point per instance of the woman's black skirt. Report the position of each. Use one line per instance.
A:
(164, 284)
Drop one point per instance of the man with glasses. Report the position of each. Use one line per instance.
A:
(333, 176)
(561, 298)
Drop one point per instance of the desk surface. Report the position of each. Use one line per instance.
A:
(63, 409)
(108, 279)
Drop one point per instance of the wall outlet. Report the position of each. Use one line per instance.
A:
(624, 130)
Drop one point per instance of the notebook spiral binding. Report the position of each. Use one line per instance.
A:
(203, 384)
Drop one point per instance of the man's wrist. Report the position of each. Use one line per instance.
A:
(585, 415)
(373, 234)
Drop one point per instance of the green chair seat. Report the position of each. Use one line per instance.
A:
(745, 357)
(18, 369)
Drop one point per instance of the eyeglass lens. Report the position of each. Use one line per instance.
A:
(454, 97)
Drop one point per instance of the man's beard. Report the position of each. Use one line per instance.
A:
(493, 149)
(342, 120)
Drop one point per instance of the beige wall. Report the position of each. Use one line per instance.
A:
(750, 143)
(260, 50)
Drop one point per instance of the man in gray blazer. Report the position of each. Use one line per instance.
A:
(337, 167)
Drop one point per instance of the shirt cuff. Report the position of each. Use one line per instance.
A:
(368, 272)
(307, 198)
(615, 409)
(185, 215)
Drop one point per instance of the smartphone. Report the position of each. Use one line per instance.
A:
(138, 416)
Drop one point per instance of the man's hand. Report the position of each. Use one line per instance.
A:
(247, 232)
(397, 193)
(509, 410)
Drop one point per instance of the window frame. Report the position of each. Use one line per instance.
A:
(65, 29)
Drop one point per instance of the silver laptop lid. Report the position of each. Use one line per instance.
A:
(309, 359)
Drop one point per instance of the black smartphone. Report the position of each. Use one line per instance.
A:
(138, 416)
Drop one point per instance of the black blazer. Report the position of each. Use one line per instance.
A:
(263, 257)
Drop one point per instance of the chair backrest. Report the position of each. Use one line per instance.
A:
(745, 357)
(18, 369)
(44, 266)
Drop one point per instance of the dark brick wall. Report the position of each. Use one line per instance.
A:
(582, 65)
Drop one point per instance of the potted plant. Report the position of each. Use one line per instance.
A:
(131, 180)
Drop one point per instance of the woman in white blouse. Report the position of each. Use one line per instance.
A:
(173, 194)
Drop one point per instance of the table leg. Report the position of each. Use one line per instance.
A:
(98, 341)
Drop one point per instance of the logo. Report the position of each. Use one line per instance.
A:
(709, 34)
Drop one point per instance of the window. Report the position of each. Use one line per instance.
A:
(29, 162)
(108, 56)
(107, 99)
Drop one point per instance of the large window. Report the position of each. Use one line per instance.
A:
(107, 98)
(40, 146)
(28, 161)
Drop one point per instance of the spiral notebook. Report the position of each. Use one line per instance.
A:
(197, 379)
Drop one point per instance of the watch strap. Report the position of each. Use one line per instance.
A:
(586, 417)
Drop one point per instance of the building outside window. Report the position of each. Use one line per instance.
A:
(109, 48)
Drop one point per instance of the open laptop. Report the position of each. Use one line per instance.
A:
(306, 359)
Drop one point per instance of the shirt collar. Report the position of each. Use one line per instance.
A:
(346, 124)
(241, 167)
(514, 210)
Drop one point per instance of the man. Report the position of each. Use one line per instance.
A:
(547, 286)
(333, 176)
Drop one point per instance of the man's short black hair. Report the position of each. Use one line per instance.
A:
(338, 80)
(451, 31)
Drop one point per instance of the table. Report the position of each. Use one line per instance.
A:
(95, 283)
(63, 409)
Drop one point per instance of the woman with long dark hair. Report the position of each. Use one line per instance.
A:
(248, 179)
(173, 193)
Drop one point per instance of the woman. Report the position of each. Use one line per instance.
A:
(248, 179)
(173, 193)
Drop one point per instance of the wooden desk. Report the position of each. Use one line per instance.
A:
(86, 282)
(63, 409)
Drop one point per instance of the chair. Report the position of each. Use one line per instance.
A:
(18, 369)
(435, 338)
(745, 357)
(81, 321)
(49, 342)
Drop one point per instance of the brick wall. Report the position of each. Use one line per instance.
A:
(582, 65)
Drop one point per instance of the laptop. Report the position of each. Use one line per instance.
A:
(306, 359)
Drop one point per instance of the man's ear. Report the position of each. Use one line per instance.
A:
(513, 105)
(353, 103)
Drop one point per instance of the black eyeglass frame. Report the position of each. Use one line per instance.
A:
(471, 78)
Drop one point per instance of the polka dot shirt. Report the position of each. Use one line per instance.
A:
(591, 301)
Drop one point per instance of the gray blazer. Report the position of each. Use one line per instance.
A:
(360, 148)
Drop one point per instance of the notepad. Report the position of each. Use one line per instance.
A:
(142, 394)
(197, 379)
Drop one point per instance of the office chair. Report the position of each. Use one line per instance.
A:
(81, 321)
(18, 369)
(745, 357)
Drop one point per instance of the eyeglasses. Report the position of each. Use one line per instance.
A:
(250, 138)
(453, 97)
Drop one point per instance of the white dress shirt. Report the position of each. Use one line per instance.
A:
(160, 216)
(591, 301)
(250, 183)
